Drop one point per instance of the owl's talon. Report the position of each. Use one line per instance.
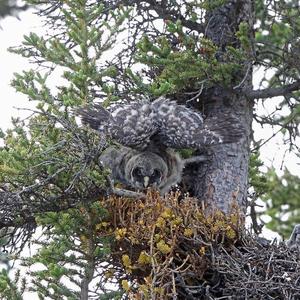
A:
(123, 192)
(127, 193)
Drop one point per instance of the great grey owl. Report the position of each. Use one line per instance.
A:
(148, 132)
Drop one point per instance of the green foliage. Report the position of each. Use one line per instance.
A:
(210, 5)
(277, 50)
(51, 162)
(190, 64)
(280, 193)
(282, 201)
(11, 288)
(46, 133)
(69, 251)
(77, 51)
(257, 179)
(243, 36)
(277, 46)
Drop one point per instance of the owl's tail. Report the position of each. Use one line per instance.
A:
(96, 116)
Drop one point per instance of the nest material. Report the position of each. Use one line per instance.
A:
(166, 248)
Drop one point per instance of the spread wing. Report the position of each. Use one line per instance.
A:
(131, 124)
(163, 123)
(183, 127)
(178, 124)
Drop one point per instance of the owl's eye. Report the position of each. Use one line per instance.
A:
(156, 173)
(137, 172)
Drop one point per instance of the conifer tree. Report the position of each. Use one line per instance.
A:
(54, 191)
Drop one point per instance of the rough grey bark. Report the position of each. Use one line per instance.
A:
(225, 177)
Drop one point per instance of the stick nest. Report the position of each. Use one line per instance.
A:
(168, 248)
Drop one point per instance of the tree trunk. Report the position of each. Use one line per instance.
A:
(224, 178)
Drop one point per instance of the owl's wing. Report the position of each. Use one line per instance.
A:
(183, 127)
(223, 129)
(96, 116)
(129, 124)
(162, 123)
(177, 124)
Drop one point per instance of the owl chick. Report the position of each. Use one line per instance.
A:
(147, 132)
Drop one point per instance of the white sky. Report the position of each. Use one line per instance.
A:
(12, 34)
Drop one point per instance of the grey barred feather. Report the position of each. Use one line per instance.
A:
(95, 116)
(162, 123)
(129, 124)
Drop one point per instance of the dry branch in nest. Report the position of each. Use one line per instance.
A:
(166, 248)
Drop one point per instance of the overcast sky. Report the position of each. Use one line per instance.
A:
(12, 33)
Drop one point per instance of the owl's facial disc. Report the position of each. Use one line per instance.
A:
(147, 177)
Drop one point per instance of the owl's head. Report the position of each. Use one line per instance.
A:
(145, 169)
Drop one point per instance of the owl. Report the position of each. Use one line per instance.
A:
(140, 170)
(148, 132)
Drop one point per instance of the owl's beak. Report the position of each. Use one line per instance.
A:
(146, 181)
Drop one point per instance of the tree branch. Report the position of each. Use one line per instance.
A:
(272, 91)
(90, 262)
(174, 16)
(195, 159)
